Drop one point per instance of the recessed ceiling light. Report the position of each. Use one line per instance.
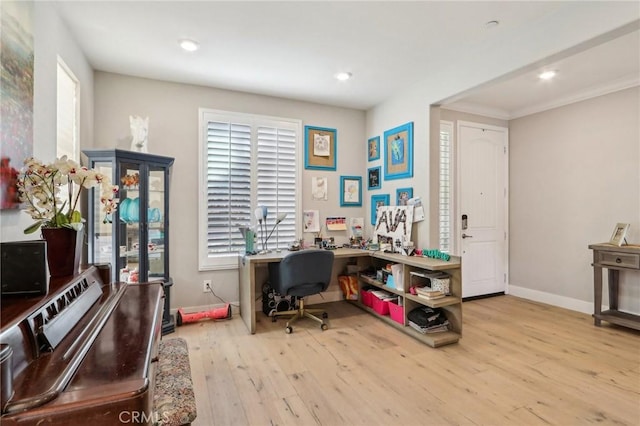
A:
(189, 45)
(547, 75)
(343, 76)
(491, 24)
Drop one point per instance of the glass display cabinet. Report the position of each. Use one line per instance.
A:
(135, 238)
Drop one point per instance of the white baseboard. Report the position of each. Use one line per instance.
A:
(551, 299)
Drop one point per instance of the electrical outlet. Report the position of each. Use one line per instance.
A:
(206, 286)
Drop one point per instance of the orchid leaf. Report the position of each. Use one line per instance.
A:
(76, 217)
(33, 228)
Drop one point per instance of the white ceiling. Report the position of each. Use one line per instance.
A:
(293, 49)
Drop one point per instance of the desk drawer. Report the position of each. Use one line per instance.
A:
(623, 260)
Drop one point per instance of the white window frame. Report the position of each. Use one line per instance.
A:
(65, 147)
(221, 261)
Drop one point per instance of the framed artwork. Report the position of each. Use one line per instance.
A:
(373, 148)
(311, 221)
(320, 148)
(350, 191)
(378, 201)
(403, 195)
(373, 178)
(319, 188)
(619, 233)
(398, 152)
(16, 96)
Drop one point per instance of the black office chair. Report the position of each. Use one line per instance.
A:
(302, 273)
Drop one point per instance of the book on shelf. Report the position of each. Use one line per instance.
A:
(433, 329)
(435, 297)
(428, 293)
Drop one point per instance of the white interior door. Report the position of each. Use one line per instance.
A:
(483, 165)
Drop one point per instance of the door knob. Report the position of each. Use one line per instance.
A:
(467, 236)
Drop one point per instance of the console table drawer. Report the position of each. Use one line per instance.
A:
(624, 260)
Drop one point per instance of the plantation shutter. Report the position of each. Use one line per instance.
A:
(444, 216)
(67, 111)
(228, 185)
(276, 183)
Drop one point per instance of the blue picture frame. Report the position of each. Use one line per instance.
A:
(376, 200)
(374, 178)
(320, 148)
(373, 148)
(350, 191)
(398, 152)
(403, 195)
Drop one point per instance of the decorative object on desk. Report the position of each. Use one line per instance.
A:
(249, 235)
(356, 224)
(398, 152)
(378, 201)
(435, 254)
(350, 191)
(373, 148)
(311, 221)
(403, 195)
(373, 178)
(139, 133)
(619, 234)
(319, 188)
(320, 148)
(393, 223)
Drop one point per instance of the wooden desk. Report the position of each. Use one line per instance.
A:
(452, 304)
(249, 280)
(614, 259)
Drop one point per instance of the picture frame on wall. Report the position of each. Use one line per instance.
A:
(320, 144)
(374, 179)
(350, 191)
(619, 234)
(398, 152)
(377, 201)
(403, 195)
(373, 148)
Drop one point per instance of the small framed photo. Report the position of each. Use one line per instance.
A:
(320, 148)
(403, 195)
(373, 148)
(619, 234)
(350, 191)
(373, 178)
(377, 201)
(398, 152)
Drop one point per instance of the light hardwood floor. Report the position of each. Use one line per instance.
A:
(518, 363)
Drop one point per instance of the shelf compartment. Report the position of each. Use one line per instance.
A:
(380, 285)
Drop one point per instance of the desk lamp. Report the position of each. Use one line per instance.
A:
(280, 218)
(261, 215)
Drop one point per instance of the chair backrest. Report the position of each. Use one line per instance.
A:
(302, 273)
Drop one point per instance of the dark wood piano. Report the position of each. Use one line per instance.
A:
(84, 354)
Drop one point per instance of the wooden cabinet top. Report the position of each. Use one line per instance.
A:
(628, 248)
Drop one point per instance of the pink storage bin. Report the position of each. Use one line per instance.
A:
(396, 312)
(366, 298)
(380, 306)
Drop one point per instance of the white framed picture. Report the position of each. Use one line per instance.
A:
(619, 233)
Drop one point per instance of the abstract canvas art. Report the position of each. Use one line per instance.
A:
(16, 95)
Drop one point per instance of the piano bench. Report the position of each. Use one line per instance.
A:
(174, 401)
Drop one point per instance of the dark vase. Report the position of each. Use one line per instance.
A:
(64, 251)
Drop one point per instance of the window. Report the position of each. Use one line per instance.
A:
(68, 110)
(246, 161)
(445, 214)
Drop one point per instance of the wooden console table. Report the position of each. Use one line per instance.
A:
(614, 259)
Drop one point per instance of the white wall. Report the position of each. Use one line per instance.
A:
(575, 173)
(51, 39)
(173, 131)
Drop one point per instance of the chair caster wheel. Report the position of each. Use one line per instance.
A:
(324, 327)
(288, 330)
(325, 315)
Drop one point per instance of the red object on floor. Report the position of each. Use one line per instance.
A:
(216, 313)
